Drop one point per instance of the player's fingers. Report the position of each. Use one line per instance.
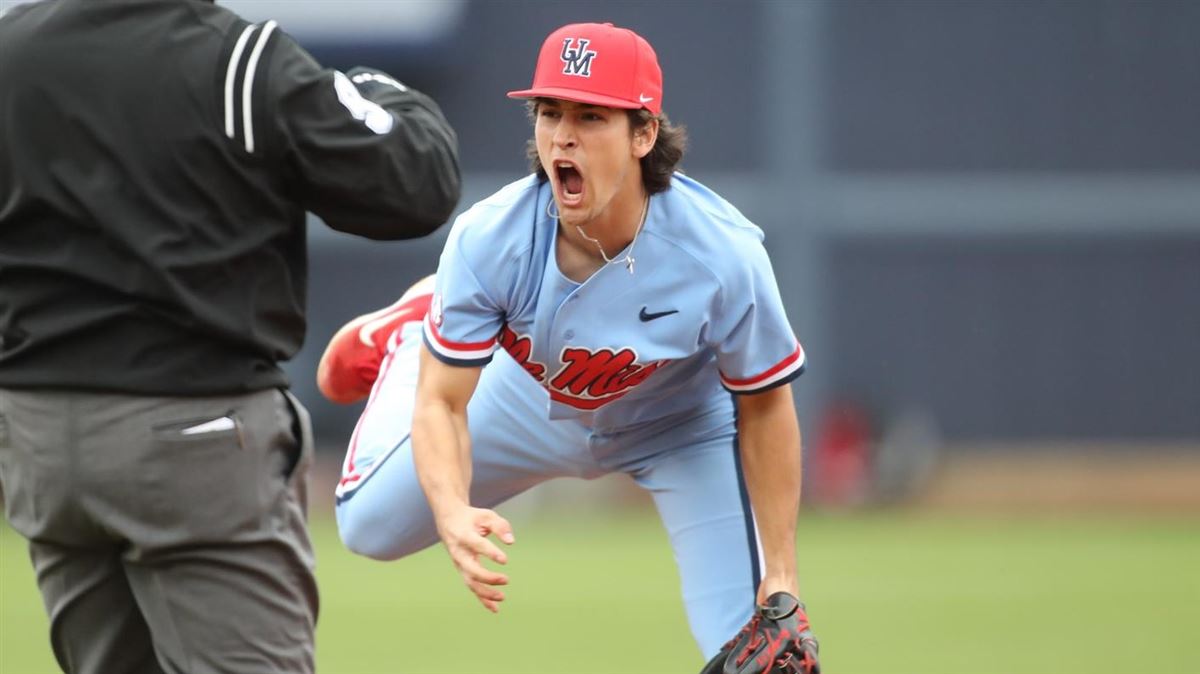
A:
(485, 592)
(488, 596)
(489, 604)
(483, 546)
(474, 571)
(499, 526)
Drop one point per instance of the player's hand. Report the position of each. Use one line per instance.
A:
(777, 640)
(465, 534)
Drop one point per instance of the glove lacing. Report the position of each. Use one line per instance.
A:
(787, 663)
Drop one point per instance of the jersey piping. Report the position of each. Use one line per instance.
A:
(782, 372)
(462, 354)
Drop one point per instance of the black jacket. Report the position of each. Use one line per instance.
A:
(157, 158)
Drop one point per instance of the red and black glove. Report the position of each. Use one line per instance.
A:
(777, 640)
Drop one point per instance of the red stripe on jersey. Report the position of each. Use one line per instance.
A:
(776, 369)
(458, 346)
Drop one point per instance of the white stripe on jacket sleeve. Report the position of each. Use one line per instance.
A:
(248, 84)
(231, 73)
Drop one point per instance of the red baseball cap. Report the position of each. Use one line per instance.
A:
(600, 64)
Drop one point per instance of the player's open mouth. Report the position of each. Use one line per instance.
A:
(569, 183)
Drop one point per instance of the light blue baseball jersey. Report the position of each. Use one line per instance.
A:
(700, 311)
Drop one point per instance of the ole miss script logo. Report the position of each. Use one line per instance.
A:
(586, 379)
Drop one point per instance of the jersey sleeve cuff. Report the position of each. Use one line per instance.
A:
(779, 374)
(459, 354)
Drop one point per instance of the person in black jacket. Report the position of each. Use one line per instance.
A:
(158, 159)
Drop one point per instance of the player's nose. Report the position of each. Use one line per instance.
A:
(564, 134)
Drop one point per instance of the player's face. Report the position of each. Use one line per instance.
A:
(590, 156)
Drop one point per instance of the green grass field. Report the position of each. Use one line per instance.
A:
(888, 593)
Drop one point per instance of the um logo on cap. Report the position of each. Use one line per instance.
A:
(577, 61)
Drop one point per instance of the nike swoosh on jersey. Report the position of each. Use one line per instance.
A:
(647, 316)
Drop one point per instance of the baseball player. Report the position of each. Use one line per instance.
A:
(629, 321)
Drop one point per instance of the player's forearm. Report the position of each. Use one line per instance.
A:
(442, 455)
(769, 437)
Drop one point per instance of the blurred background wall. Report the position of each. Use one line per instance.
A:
(984, 215)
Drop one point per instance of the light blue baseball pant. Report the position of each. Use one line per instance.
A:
(689, 468)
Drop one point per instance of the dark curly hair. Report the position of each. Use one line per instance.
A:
(657, 166)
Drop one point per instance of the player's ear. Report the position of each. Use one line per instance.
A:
(644, 137)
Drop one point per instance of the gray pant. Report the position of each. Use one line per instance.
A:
(168, 535)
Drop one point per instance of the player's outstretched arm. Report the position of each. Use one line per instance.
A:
(442, 454)
(778, 639)
(769, 437)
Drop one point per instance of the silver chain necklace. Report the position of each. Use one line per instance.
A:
(628, 259)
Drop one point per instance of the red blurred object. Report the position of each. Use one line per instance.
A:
(838, 471)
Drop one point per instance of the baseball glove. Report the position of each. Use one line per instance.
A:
(777, 640)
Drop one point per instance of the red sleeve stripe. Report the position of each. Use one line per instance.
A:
(457, 350)
(780, 370)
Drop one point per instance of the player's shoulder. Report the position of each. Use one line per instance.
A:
(512, 195)
(500, 228)
(503, 219)
(705, 217)
(708, 228)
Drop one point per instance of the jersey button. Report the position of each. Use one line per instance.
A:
(569, 334)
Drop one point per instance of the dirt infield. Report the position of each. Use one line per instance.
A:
(1067, 478)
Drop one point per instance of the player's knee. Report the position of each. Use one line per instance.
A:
(361, 536)
(377, 535)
